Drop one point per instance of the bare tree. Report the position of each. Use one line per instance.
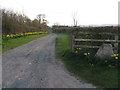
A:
(75, 19)
(41, 18)
(56, 24)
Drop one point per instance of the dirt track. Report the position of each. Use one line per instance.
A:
(33, 65)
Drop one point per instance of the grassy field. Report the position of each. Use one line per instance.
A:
(15, 42)
(103, 76)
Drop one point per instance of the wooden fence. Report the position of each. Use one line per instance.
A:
(84, 39)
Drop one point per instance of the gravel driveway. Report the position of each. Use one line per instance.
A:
(33, 65)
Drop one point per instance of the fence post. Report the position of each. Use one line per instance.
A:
(72, 42)
(116, 44)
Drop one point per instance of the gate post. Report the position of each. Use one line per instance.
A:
(116, 44)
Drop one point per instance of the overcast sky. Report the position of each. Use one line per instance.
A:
(61, 11)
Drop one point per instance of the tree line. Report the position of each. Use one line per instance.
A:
(13, 23)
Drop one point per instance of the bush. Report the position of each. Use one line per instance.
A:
(89, 55)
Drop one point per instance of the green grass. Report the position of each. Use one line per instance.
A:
(15, 42)
(99, 75)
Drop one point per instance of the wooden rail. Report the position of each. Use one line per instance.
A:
(97, 40)
(85, 46)
(99, 33)
(116, 40)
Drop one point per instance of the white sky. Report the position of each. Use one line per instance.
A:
(61, 11)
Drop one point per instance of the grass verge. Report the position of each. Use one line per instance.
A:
(11, 43)
(101, 76)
